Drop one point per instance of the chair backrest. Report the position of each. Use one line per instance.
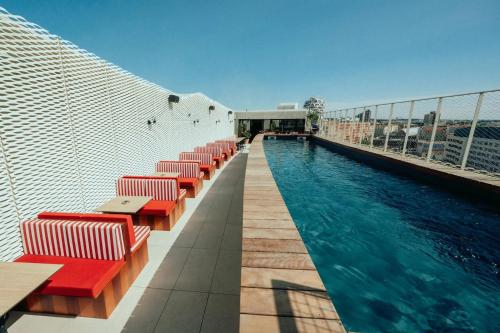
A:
(187, 169)
(160, 188)
(215, 151)
(231, 143)
(204, 158)
(224, 146)
(123, 219)
(76, 239)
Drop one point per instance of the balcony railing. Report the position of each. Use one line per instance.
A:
(462, 131)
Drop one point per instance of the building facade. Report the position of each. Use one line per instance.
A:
(484, 151)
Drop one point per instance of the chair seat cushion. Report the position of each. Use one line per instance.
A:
(78, 277)
(188, 182)
(183, 194)
(158, 208)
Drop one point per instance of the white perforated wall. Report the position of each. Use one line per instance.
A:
(71, 123)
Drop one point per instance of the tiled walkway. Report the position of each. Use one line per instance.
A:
(197, 286)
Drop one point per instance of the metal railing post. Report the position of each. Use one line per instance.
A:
(408, 126)
(351, 139)
(342, 127)
(361, 126)
(388, 127)
(374, 126)
(472, 130)
(434, 128)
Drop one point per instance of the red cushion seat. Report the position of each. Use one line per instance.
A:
(158, 208)
(188, 182)
(78, 277)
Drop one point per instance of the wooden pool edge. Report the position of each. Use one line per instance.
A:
(281, 290)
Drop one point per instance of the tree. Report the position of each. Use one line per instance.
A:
(315, 107)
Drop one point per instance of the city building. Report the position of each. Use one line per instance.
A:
(429, 118)
(484, 151)
(424, 139)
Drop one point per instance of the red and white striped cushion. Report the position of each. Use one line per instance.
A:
(130, 187)
(76, 239)
(187, 169)
(204, 158)
(215, 151)
(161, 189)
(141, 233)
(224, 146)
(231, 143)
(183, 193)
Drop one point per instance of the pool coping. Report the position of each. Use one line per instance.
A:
(281, 290)
(477, 186)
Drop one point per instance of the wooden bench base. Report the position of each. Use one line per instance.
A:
(101, 306)
(209, 174)
(164, 223)
(219, 163)
(192, 192)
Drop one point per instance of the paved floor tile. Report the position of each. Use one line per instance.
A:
(222, 314)
(183, 313)
(227, 274)
(148, 311)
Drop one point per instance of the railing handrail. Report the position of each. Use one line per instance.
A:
(415, 100)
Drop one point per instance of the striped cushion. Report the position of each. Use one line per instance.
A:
(188, 169)
(224, 146)
(204, 158)
(161, 189)
(158, 188)
(231, 143)
(141, 233)
(183, 193)
(215, 151)
(76, 239)
(130, 187)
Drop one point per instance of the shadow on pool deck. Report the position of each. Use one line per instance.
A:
(197, 286)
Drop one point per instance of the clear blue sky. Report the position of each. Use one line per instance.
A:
(257, 53)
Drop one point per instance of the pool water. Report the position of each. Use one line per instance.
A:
(395, 255)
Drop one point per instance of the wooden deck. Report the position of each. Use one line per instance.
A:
(281, 291)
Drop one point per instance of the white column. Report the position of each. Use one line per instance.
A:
(434, 128)
(388, 127)
(472, 130)
(408, 126)
(374, 126)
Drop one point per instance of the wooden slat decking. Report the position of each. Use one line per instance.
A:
(281, 291)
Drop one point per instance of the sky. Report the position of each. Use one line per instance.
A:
(255, 54)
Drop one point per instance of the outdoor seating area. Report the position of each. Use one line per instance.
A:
(101, 254)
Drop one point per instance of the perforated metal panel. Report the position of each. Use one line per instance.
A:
(71, 123)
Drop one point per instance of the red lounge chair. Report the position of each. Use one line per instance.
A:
(226, 148)
(102, 255)
(207, 163)
(218, 156)
(168, 204)
(191, 176)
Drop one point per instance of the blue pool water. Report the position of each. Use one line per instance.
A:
(394, 254)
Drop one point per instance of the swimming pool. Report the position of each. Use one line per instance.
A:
(395, 255)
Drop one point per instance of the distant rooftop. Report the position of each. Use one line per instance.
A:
(480, 132)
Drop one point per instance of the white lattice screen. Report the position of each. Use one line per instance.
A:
(71, 123)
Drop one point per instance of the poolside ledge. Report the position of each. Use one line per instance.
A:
(281, 291)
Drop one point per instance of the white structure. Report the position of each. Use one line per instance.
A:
(71, 123)
(288, 106)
